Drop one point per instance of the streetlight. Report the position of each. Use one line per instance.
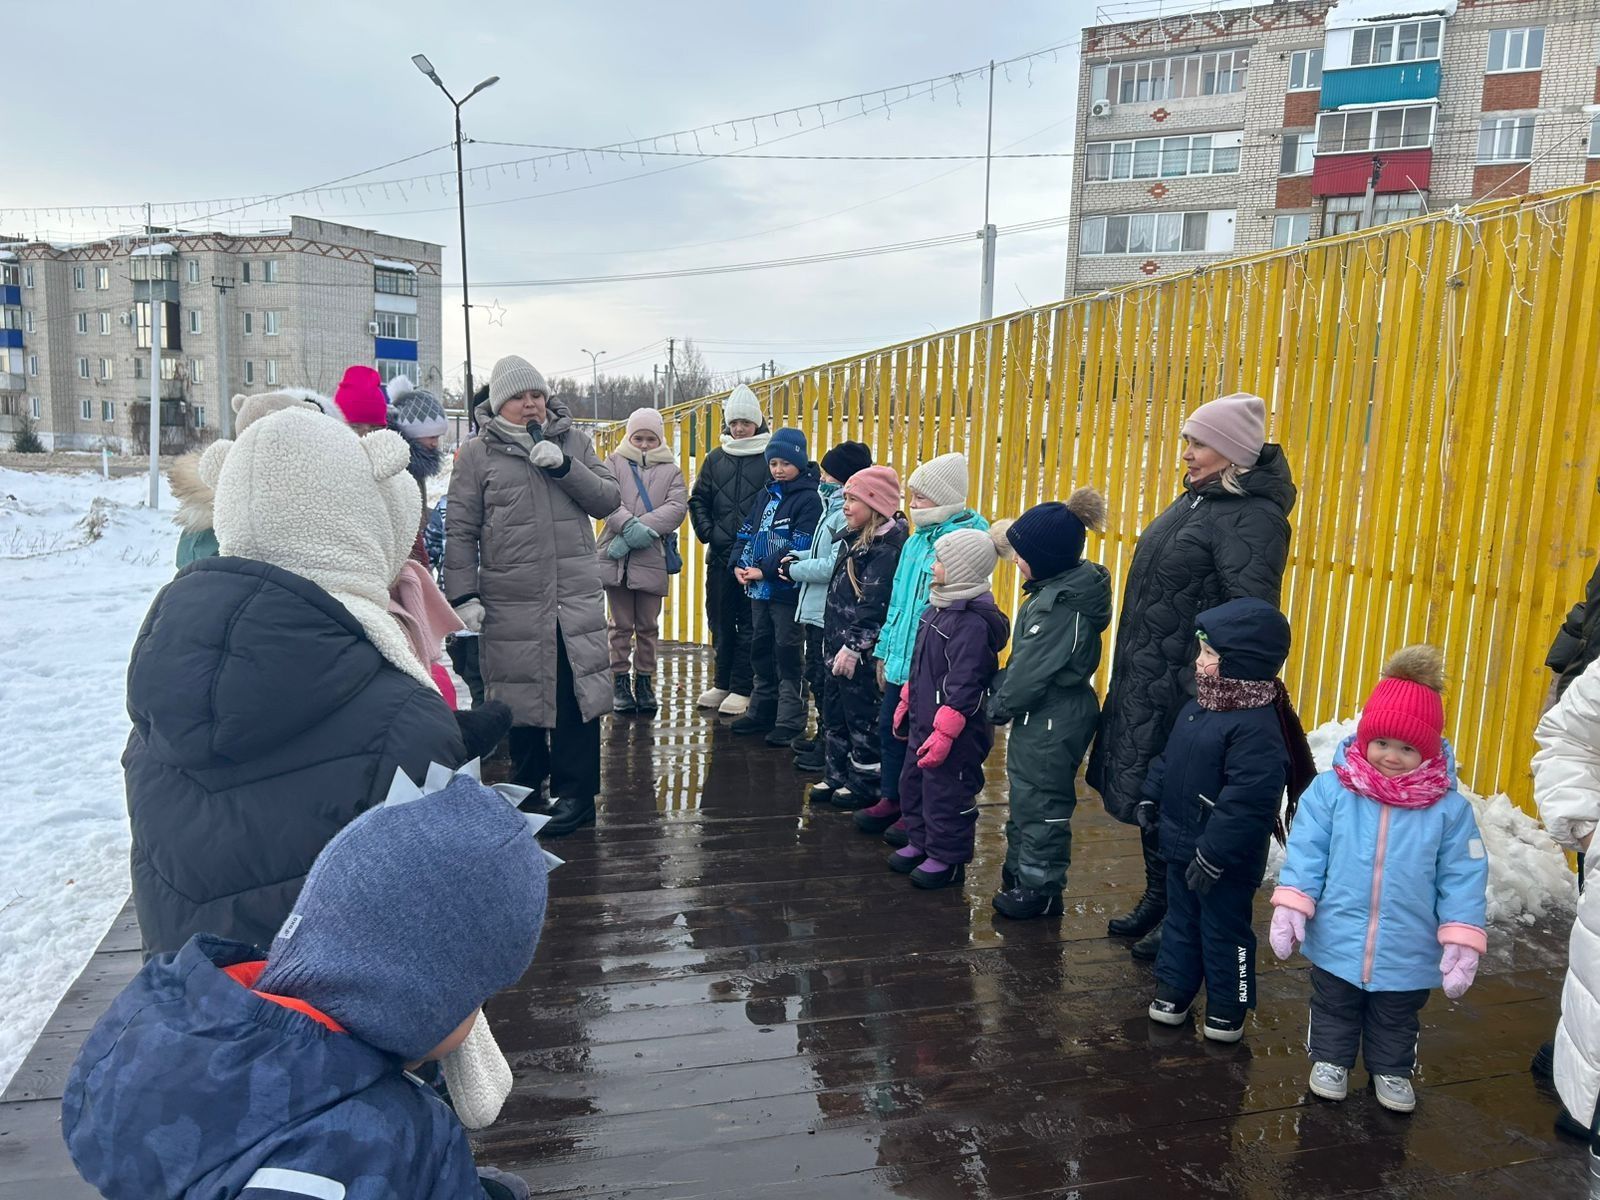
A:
(594, 365)
(426, 67)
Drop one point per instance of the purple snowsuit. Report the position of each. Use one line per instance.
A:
(952, 665)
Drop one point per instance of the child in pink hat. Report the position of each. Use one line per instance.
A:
(362, 400)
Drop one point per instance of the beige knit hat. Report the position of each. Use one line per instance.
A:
(968, 556)
(942, 480)
(512, 376)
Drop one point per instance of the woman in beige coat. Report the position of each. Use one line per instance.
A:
(633, 557)
(520, 569)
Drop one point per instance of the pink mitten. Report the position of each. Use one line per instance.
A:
(947, 726)
(1459, 966)
(1288, 931)
(902, 713)
(845, 662)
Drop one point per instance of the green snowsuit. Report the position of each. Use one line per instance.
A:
(1046, 694)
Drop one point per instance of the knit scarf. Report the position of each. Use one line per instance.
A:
(1218, 694)
(745, 447)
(524, 436)
(424, 463)
(1421, 788)
(647, 458)
(927, 518)
(943, 595)
(1226, 695)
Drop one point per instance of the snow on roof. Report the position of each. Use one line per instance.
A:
(159, 248)
(388, 264)
(8, 256)
(1346, 14)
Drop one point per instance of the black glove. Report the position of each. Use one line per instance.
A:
(1201, 875)
(1148, 814)
(502, 1185)
(483, 727)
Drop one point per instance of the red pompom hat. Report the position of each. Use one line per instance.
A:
(1406, 705)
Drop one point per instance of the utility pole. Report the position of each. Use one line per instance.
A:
(671, 366)
(986, 277)
(223, 284)
(155, 362)
(1370, 203)
(772, 368)
(594, 388)
(655, 385)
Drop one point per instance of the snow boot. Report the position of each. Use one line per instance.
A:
(734, 705)
(712, 697)
(1152, 906)
(622, 700)
(644, 693)
(821, 793)
(1147, 947)
(804, 745)
(1170, 1007)
(896, 834)
(932, 874)
(567, 814)
(753, 722)
(1023, 903)
(851, 801)
(906, 859)
(878, 817)
(809, 761)
(1543, 1065)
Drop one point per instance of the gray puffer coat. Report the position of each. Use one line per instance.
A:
(643, 570)
(521, 541)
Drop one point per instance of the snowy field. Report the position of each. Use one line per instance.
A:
(83, 559)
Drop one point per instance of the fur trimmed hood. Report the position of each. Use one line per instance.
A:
(194, 496)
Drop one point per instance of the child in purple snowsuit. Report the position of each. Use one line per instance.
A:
(942, 711)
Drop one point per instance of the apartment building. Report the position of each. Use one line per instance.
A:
(1227, 132)
(234, 313)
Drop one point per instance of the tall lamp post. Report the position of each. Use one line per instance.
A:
(426, 67)
(594, 365)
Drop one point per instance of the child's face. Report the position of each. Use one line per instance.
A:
(1208, 661)
(826, 478)
(918, 500)
(451, 1043)
(742, 429)
(1022, 566)
(645, 440)
(856, 513)
(938, 567)
(782, 470)
(1393, 757)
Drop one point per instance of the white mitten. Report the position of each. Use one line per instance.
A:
(546, 455)
(478, 1076)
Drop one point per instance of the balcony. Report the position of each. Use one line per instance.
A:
(1347, 174)
(1384, 84)
(10, 382)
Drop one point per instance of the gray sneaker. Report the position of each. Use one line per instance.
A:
(1330, 1081)
(1395, 1092)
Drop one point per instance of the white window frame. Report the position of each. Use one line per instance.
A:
(83, 322)
(1384, 44)
(85, 408)
(27, 320)
(388, 282)
(1282, 221)
(389, 368)
(1499, 138)
(197, 370)
(1387, 207)
(199, 414)
(1594, 138)
(272, 371)
(33, 365)
(194, 270)
(249, 371)
(1305, 152)
(249, 324)
(1145, 234)
(1172, 78)
(1528, 41)
(83, 366)
(195, 323)
(270, 323)
(108, 411)
(269, 271)
(105, 324)
(27, 277)
(35, 407)
(77, 279)
(1152, 158)
(1374, 117)
(244, 271)
(105, 368)
(1301, 61)
(102, 279)
(401, 327)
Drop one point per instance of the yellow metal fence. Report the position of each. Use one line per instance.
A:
(1435, 386)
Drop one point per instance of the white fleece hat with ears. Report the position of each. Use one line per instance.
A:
(301, 491)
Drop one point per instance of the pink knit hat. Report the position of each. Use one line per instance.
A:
(361, 397)
(1406, 705)
(646, 420)
(876, 487)
(1235, 426)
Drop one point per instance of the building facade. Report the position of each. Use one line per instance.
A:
(1220, 133)
(234, 313)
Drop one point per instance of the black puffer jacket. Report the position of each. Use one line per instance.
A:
(1207, 547)
(858, 593)
(264, 721)
(724, 489)
(1577, 643)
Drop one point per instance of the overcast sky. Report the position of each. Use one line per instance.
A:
(169, 101)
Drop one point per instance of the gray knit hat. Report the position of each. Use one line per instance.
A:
(415, 412)
(511, 377)
(968, 556)
(414, 915)
(942, 480)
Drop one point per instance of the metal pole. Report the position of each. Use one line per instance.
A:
(224, 400)
(155, 365)
(1369, 205)
(671, 369)
(986, 275)
(466, 298)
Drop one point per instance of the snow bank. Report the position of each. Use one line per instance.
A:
(81, 559)
(1528, 873)
(1348, 13)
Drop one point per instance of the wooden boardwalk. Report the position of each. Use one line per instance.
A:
(734, 998)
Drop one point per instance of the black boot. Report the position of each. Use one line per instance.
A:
(1152, 906)
(1022, 903)
(644, 694)
(1147, 947)
(811, 761)
(1543, 1065)
(568, 814)
(754, 722)
(622, 700)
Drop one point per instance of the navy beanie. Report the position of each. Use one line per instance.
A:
(845, 459)
(789, 445)
(414, 915)
(1050, 537)
(1249, 635)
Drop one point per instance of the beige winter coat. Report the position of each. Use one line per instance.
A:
(521, 540)
(643, 570)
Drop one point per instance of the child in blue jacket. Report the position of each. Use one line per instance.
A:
(215, 1073)
(1385, 867)
(1213, 795)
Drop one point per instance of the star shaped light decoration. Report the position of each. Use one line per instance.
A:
(495, 310)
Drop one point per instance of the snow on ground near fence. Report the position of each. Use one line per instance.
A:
(82, 559)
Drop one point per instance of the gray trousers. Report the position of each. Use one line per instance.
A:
(777, 659)
(1384, 1026)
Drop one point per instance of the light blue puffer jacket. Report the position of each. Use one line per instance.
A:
(1426, 867)
(813, 568)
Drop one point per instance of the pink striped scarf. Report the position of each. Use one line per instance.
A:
(1415, 789)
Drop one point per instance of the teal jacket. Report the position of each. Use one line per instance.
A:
(194, 544)
(912, 579)
(813, 567)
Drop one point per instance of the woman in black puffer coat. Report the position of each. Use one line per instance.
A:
(1225, 537)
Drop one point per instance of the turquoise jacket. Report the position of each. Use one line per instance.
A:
(912, 579)
(813, 568)
(1425, 867)
(196, 544)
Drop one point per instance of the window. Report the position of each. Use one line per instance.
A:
(83, 322)
(197, 370)
(168, 323)
(77, 279)
(153, 266)
(269, 271)
(11, 318)
(105, 368)
(272, 370)
(1408, 41)
(27, 320)
(1146, 158)
(194, 270)
(388, 368)
(1158, 233)
(33, 365)
(34, 405)
(108, 410)
(1594, 138)
(1215, 74)
(1342, 214)
(8, 275)
(249, 323)
(27, 277)
(1506, 139)
(83, 368)
(269, 323)
(1305, 70)
(86, 409)
(249, 371)
(105, 324)
(1299, 149)
(194, 320)
(199, 413)
(244, 272)
(394, 283)
(1375, 129)
(102, 279)
(404, 325)
(1290, 229)
(1516, 49)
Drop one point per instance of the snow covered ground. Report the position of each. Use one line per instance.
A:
(81, 559)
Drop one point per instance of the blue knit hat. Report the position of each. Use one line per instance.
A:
(1249, 635)
(414, 915)
(789, 445)
(1050, 536)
